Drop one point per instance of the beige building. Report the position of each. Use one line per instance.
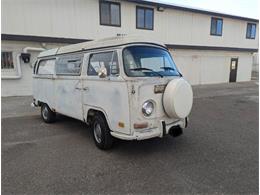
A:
(208, 47)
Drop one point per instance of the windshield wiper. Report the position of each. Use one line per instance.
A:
(167, 68)
(140, 69)
(170, 68)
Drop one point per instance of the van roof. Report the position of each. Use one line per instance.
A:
(101, 43)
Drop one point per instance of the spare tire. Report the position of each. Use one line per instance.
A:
(178, 98)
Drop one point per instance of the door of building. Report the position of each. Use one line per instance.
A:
(233, 70)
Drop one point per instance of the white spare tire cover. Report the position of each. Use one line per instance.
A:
(178, 98)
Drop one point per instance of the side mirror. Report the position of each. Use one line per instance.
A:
(114, 69)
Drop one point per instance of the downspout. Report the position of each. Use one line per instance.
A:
(18, 63)
(26, 49)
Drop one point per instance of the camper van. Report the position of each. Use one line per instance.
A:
(123, 87)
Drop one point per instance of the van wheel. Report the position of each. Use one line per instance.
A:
(48, 116)
(101, 133)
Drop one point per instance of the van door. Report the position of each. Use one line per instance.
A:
(108, 94)
(68, 85)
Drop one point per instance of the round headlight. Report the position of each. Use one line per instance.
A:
(147, 108)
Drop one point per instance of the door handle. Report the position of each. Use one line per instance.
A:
(85, 88)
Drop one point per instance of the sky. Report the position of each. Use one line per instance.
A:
(246, 8)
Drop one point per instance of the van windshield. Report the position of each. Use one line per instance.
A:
(147, 61)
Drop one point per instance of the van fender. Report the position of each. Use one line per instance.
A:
(87, 109)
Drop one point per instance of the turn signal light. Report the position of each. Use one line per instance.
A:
(121, 124)
(140, 125)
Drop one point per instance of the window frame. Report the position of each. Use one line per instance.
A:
(70, 74)
(13, 60)
(248, 24)
(35, 66)
(151, 46)
(215, 34)
(110, 23)
(108, 51)
(144, 8)
(38, 65)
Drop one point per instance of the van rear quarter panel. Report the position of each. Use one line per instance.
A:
(44, 90)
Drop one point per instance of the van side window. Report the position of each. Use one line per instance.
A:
(107, 59)
(69, 65)
(46, 67)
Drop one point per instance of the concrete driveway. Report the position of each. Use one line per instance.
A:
(218, 152)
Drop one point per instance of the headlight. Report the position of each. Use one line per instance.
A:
(147, 108)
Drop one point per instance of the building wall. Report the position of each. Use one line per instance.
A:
(46, 18)
(208, 67)
(256, 62)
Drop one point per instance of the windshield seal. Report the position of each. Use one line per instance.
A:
(165, 71)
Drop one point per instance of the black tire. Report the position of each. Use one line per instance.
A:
(48, 116)
(104, 140)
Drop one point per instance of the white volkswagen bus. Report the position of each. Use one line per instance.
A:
(124, 87)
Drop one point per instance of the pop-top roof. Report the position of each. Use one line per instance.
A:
(101, 43)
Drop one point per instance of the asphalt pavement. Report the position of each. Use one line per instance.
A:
(218, 152)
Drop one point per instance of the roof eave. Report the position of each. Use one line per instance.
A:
(193, 10)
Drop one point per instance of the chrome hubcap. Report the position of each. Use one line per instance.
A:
(45, 113)
(97, 132)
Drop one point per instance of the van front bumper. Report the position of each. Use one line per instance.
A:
(34, 103)
(160, 131)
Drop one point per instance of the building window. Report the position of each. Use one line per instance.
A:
(250, 31)
(110, 13)
(144, 18)
(7, 60)
(216, 26)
